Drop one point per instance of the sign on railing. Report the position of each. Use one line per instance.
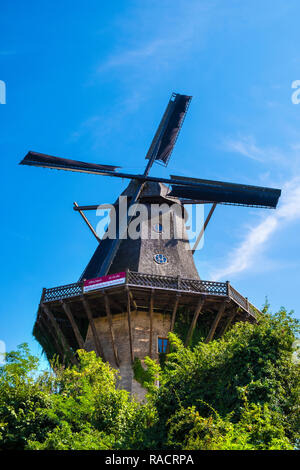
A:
(104, 281)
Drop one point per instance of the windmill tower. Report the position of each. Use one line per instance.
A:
(126, 300)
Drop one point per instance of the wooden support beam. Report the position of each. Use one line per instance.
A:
(65, 345)
(194, 321)
(129, 326)
(173, 318)
(247, 303)
(46, 329)
(43, 295)
(89, 314)
(215, 322)
(227, 324)
(132, 300)
(109, 318)
(86, 208)
(115, 304)
(151, 322)
(204, 227)
(129, 291)
(77, 334)
(76, 207)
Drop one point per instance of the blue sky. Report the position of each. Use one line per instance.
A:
(90, 81)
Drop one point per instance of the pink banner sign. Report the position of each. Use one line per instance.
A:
(104, 281)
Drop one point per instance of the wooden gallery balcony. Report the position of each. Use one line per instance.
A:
(65, 313)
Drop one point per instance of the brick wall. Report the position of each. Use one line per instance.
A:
(140, 336)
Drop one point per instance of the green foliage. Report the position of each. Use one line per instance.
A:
(182, 325)
(24, 400)
(149, 376)
(75, 408)
(63, 438)
(252, 357)
(140, 374)
(258, 428)
(237, 392)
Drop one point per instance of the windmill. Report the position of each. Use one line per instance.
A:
(133, 288)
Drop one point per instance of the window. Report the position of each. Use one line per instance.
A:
(162, 344)
(158, 228)
(160, 259)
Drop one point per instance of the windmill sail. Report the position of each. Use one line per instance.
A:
(227, 193)
(48, 161)
(168, 130)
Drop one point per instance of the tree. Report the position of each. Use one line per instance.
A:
(76, 407)
(237, 392)
(24, 400)
(253, 360)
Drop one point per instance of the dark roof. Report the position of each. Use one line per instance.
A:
(138, 255)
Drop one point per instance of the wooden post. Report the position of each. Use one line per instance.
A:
(116, 304)
(193, 324)
(227, 324)
(133, 301)
(60, 335)
(215, 323)
(43, 295)
(129, 326)
(204, 227)
(151, 322)
(76, 207)
(109, 318)
(76, 331)
(45, 328)
(173, 318)
(89, 314)
(228, 288)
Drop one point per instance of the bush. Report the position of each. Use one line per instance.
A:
(75, 408)
(256, 358)
(237, 392)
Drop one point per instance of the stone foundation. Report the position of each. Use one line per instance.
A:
(140, 324)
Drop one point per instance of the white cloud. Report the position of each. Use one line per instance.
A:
(135, 56)
(247, 146)
(244, 256)
(159, 37)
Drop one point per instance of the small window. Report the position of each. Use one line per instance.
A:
(162, 345)
(158, 228)
(160, 259)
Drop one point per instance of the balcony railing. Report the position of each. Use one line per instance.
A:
(177, 283)
(62, 292)
(134, 279)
